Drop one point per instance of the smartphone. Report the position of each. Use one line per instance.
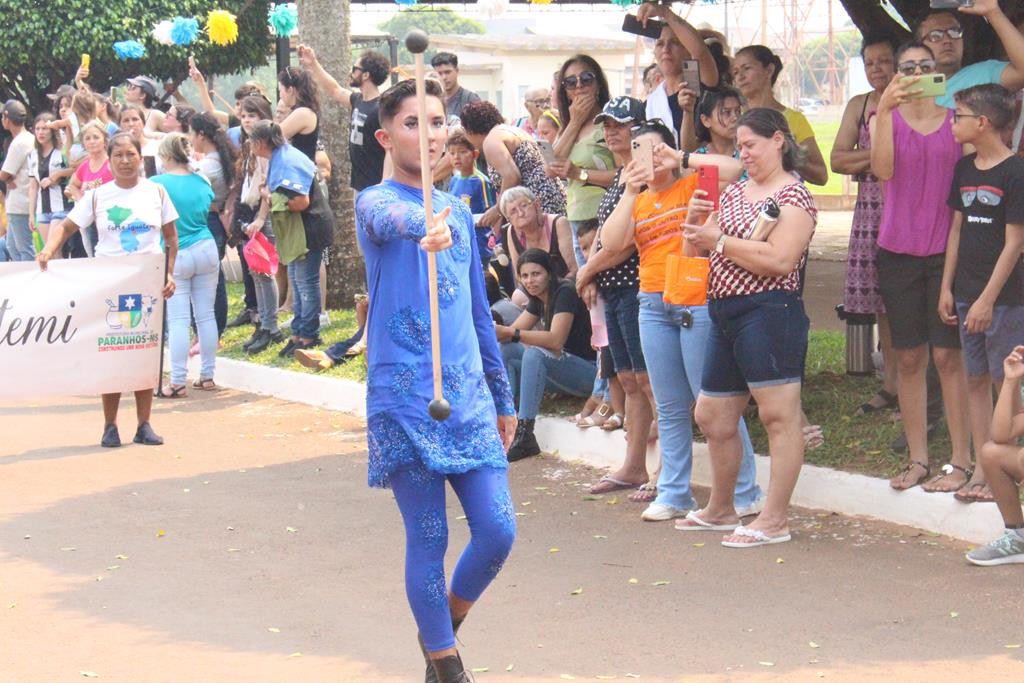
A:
(950, 4)
(547, 151)
(643, 152)
(929, 85)
(691, 74)
(707, 180)
(630, 24)
(85, 60)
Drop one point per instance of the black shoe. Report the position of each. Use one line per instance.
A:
(111, 439)
(276, 337)
(314, 342)
(525, 443)
(147, 437)
(900, 444)
(431, 675)
(260, 341)
(451, 670)
(252, 340)
(243, 318)
(288, 348)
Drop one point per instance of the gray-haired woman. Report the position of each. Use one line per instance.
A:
(530, 228)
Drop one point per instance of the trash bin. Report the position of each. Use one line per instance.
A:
(860, 341)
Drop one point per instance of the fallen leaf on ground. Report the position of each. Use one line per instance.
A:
(160, 533)
(553, 550)
(634, 580)
(599, 536)
(527, 503)
(540, 488)
(509, 667)
(520, 514)
(813, 644)
(68, 549)
(954, 615)
(290, 529)
(273, 629)
(661, 583)
(12, 605)
(480, 670)
(578, 591)
(632, 675)
(295, 654)
(767, 663)
(586, 497)
(120, 557)
(567, 677)
(613, 501)
(89, 674)
(698, 545)
(233, 550)
(779, 560)
(113, 567)
(1015, 646)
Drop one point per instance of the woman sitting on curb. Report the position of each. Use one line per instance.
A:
(559, 356)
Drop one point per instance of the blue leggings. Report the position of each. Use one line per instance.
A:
(487, 503)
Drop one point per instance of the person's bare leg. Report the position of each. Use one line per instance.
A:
(110, 404)
(1004, 467)
(638, 416)
(618, 395)
(144, 404)
(913, 364)
(890, 381)
(718, 418)
(953, 378)
(323, 285)
(779, 409)
(979, 408)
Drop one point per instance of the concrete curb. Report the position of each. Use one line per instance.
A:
(818, 487)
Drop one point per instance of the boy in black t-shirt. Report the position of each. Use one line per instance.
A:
(982, 280)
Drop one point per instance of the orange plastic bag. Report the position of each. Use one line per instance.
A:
(686, 280)
(261, 255)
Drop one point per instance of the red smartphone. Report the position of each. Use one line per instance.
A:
(707, 180)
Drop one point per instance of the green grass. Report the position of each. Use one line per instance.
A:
(830, 398)
(825, 134)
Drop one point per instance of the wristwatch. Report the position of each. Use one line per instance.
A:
(583, 175)
(720, 244)
(516, 335)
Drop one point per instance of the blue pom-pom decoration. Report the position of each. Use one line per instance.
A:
(185, 30)
(129, 49)
(284, 19)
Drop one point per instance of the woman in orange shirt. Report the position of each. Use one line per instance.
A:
(651, 213)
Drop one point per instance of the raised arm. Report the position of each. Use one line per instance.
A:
(1012, 77)
(331, 87)
(883, 154)
(204, 93)
(619, 229)
(688, 36)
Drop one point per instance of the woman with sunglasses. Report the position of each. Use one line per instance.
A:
(755, 69)
(913, 152)
(582, 157)
(851, 155)
(513, 158)
(302, 125)
(672, 336)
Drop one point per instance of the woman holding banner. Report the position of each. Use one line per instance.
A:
(150, 216)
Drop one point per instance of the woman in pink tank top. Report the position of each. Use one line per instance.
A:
(914, 153)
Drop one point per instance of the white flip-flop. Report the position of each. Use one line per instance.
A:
(699, 524)
(760, 538)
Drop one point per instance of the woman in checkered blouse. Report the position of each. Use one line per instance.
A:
(759, 328)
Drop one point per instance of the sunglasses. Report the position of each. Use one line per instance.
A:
(647, 125)
(583, 80)
(955, 33)
(356, 68)
(909, 68)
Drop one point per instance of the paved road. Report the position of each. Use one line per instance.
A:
(250, 549)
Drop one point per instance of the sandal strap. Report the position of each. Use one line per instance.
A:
(949, 467)
(923, 465)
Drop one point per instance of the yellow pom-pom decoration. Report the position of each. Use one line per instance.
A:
(221, 27)
(540, 2)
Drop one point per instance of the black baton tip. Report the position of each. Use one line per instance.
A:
(439, 409)
(416, 41)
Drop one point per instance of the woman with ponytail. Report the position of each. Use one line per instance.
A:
(195, 270)
(302, 125)
(216, 162)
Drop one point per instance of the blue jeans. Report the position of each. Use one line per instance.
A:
(4, 255)
(266, 290)
(581, 258)
(195, 279)
(19, 238)
(531, 371)
(304, 279)
(675, 358)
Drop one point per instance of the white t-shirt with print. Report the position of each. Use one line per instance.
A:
(57, 201)
(129, 220)
(16, 163)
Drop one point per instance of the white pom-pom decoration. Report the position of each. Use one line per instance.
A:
(162, 32)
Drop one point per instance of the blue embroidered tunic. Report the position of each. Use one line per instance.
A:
(390, 222)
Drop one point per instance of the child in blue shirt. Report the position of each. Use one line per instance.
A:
(472, 187)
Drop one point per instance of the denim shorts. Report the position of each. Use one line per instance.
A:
(984, 352)
(622, 317)
(756, 340)
(51, 217)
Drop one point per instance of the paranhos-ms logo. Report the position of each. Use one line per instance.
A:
(129, 320)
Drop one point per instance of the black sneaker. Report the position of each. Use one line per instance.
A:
(147, 437)
(252, 340)
(111, 439)
(524, 445)
(243, 318)
(287, 350)
(260, 341)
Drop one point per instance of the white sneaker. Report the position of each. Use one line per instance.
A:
(659, 512)
(325, 319)
(752, 509)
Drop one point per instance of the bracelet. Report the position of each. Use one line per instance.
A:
(515, 335)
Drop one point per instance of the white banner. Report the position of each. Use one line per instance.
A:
(85, 326)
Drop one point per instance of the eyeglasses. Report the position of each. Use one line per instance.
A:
(910, 68)
(957, 116)
(540, 103)
(583, 80)
(648, 124)
(954, 33)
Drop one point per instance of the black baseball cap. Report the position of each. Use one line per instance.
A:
(622, 109)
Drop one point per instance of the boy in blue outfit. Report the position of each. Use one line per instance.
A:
(982, 281)
(472, 187)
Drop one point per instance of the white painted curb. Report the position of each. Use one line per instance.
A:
(818, 487)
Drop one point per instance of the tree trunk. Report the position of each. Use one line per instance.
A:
(324, 25)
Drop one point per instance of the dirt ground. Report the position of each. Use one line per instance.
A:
(249, 548)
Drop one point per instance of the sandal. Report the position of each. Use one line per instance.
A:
(902, 476)
(967, 494)
(603, 410)
(947, 470)
(175, 392)
(694, 522)
(757, 537)
(608, 484)
(614, 422)
(813, 437)
(890, 401)
(645, 494)
(205, 384)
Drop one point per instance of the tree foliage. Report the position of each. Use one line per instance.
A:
(44, 41)
(433, 20)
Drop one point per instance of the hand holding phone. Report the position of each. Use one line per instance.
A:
(707, 180)
(927, 85)
(652, 29)
(547, 150)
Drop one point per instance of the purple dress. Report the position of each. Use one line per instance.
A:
(862, 294)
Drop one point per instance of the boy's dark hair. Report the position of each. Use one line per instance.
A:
(990, 100)
(459, 138)
(377, 65)
(878, 39)
(442, 58)
(585, 226)
(392, 98)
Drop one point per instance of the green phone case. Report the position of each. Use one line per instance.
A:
(930, 85)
